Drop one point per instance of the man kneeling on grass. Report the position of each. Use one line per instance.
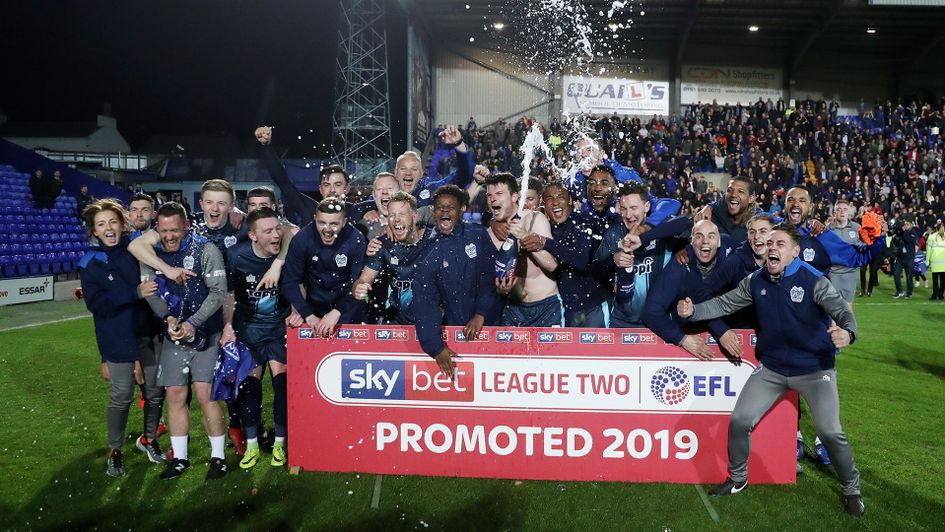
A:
(797, 346)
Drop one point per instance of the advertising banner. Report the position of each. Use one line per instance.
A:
(729, 85)
(25, 290)
(544, 404)
(606, 96)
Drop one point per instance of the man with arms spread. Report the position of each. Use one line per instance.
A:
(534, 299)
(825, 249)
(192, 332)
(455, 278)
(327, 257)
(797, 347)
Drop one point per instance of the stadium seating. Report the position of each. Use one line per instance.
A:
(36, 241)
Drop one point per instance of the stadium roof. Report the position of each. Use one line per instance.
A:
(788, 31)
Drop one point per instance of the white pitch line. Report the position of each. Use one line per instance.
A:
(376, 499)
(44, 323)
(708, 505)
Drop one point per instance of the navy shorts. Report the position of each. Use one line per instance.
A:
(548, 312)
(265, 341)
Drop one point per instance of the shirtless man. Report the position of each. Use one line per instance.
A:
(534, 300)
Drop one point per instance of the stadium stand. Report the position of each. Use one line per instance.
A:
(36, 241)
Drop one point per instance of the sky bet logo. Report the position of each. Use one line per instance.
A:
(390, 334)
(554, 337)
(352, 334)
(306, 334)
(754, 339)
(399, 380)
(637, 338)
(511, 336)
(710, 340)
(481, 336)
(596, 338)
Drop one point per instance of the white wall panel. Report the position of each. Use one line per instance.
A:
(463, 88)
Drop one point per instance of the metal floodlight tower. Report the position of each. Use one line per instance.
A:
(361, 139)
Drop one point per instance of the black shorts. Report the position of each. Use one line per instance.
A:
(265, 341)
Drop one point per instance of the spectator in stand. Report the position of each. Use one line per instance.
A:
(45, 189)
(82, 200)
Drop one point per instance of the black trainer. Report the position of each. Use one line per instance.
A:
(729, 487)
(854, 506)
(175, 468)
(113, 466)
(217, 469)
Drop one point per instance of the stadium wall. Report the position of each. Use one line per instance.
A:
(463, 88)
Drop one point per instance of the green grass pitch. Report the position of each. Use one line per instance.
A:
(52, 456)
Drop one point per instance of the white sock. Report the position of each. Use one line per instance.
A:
(800, 437)
(217, 443)
(179, 444)
(817, 441)
(252, 441)
(280, 439)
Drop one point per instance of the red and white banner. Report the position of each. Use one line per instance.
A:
(548, 404)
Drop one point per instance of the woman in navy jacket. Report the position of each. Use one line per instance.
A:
(124, 326)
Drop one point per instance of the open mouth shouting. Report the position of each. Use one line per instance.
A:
(795, 215)
(774, 262)
(734, 205)
(214, 219)
(110, 238)
(705, 253)
(400, 231)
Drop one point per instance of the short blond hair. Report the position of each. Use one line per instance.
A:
(218, 185)
(409, 153)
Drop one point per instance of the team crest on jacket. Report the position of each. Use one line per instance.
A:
(425, 194)
(250, 278)
(471, 250)
(808, 254)
(341, 260)
(395, 261)
(189, 262)
(797, 294)
(852, 234)
(228, 241)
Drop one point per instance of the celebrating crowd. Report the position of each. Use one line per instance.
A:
(201, 309)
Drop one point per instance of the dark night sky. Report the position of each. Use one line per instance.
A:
(175, 67)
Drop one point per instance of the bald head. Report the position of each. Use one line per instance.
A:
(705, 240)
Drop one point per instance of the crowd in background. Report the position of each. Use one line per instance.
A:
(887, 157)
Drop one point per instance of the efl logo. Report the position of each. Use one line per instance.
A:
(399, 380)
(390, 334)
(511, 336)
(306, 334)
(596, 338)
(481, 336)
(670, 385)
(637, 338)
(352, 334)
(554, 338)
(753, 339)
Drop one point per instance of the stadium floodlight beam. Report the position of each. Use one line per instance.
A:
(871, 30)
(361, 137)
(753, 28)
